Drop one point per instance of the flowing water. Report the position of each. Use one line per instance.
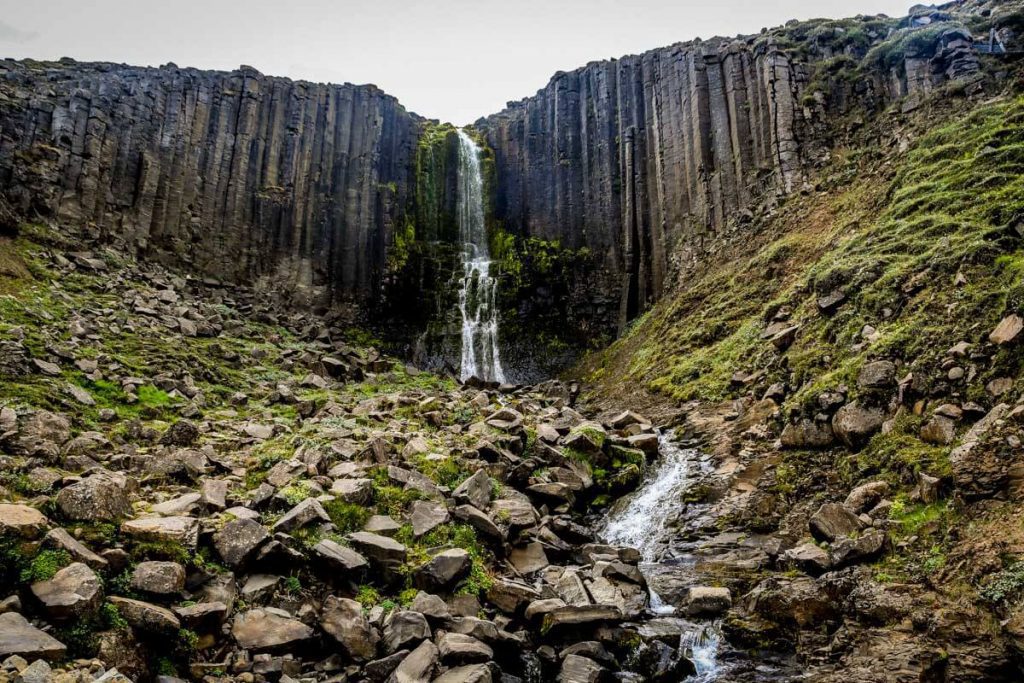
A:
(477, 289)
(643, 523)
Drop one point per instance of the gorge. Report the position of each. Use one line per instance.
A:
(702, 364)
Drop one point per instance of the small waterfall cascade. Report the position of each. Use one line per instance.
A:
(477, 289)
(642, 523)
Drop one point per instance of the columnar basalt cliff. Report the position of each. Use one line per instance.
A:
(597, 188)
(648, 159)
(238, 175)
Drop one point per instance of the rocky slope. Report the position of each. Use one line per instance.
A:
(196, 484)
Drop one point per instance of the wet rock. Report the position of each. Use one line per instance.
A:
(832, 521)
(238, 541)
(809, 557)
(343, 620)
(74, 592)
(18, 637)
(707, 600)
(443, 570)
(268, 630)
(158, 578)
(855, 424)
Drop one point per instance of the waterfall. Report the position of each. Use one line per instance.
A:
(642, 522)
(477, 289)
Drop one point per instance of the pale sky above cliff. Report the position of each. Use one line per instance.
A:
(455, 60)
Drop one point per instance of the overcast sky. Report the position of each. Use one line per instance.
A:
(455, 60)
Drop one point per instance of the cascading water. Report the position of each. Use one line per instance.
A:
(643, 524)
(477, 290)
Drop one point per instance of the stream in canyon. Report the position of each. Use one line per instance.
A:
(477, 289)
(642, 521)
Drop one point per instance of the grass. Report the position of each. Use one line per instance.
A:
(895, 244)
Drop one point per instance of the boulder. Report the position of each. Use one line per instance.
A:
(807, 433)
(147, 617)
(443, 569)
(338, 557)
(707, 601)
(832, 521)
(239, 540)
(808, 557)
(458, 648)
(425, 516)
(343, 620)
(1008, 329)
(866, 496)
(475, 491)
(939, 430)
(877, 375)
(59, 539)
(852, 550)
(418, 666)
(21, 521)
(358, 491)
(74, 592)
(855, 424)
(580, 615)
(471, 673)
(579, 669)
(18, 637)
(306, 512)
(380, 550)
(158, 578)
(98, 498)
(404, 628)
(269, 630)
(180, 530)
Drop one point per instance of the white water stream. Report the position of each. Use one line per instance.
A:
(643, 524)
(477, 290)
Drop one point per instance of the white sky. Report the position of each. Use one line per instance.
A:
(455, 60)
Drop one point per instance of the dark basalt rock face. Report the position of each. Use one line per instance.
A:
(239, 175)
(597, 189)
(648, 159)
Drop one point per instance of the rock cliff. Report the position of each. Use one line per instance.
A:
(240, 175)
(648, 159)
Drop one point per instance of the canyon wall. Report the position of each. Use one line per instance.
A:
(649, 158)
(241, 176)
(598, 188)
